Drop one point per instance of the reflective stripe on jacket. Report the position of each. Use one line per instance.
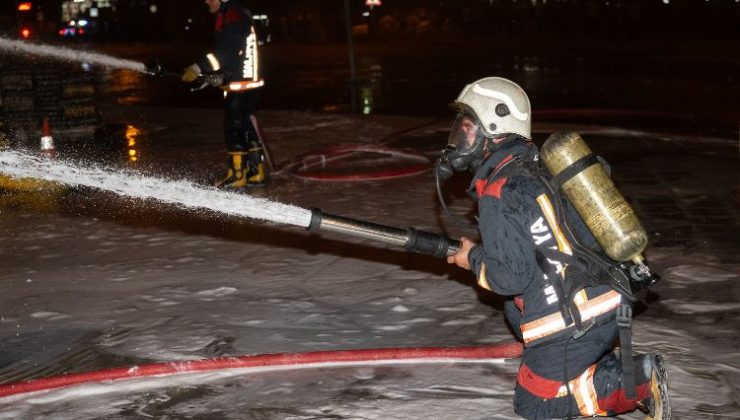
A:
(236, 54)
(582, 388)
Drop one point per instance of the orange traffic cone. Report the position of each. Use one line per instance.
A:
(47, 141)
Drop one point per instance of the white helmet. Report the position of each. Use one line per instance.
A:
(500, 106)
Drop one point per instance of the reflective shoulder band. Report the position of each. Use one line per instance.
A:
(213, 61)
(574, 169)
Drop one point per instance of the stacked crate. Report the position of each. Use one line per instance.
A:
(47, 90)
(66, 96)
(17, 93)
(79, 101)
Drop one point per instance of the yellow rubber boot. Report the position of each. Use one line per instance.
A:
(236, 175)
(256, 176)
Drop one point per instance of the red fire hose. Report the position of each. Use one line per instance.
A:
(310, 166)
(275, 361)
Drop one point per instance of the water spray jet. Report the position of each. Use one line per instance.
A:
(23, 47)
(186, 194)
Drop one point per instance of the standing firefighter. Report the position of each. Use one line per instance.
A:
(566, 315)
(234, 66)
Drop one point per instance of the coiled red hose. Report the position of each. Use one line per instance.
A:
(305, 166)
(281, 361)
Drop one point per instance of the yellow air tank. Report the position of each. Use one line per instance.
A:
(594, 196)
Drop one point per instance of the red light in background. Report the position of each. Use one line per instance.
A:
(24, 7)
(26, 33)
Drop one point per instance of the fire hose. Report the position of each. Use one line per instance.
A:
(274, 362)
(305, 166)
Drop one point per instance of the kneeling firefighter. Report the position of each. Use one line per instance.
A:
(564, 299)
(234, 67)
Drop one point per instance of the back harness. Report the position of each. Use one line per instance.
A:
(586, 267)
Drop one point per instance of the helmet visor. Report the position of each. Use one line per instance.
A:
(465, 131)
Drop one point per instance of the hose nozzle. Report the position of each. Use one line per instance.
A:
(154, 68)
(410, 239)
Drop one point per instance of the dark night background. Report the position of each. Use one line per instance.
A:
(679, 57)
(94, 280)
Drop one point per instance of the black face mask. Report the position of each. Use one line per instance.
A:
(464, 150)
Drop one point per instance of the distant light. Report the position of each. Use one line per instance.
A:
(259, 17)
(26, 33)
(372, 3)
(24, 7)
(131, 135)
(669, 1)
(153, 8)
(82, 22)
(366, 14)
(86, 66)
(93, 12)
(72, 23)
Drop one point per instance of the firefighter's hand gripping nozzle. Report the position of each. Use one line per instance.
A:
(154, 68)
(410, 239)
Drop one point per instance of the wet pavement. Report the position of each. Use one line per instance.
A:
(681, 186)
(112, 299)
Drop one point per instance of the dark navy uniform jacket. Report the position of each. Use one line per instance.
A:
(236, 49)
(516, 220)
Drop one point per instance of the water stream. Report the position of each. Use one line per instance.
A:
(127, 183)
(66, 54)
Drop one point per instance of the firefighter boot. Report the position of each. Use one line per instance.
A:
(658, 406)
(236, 176)
(256, 176)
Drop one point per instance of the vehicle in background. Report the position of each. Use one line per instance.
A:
(18, 19)
(76, 29)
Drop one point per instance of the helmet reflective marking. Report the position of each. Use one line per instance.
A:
(519, 115)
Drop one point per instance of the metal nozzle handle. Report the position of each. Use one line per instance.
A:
(413, 240)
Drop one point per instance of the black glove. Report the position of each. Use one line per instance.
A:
(190, 73)
(214, 79)
(154, 68)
